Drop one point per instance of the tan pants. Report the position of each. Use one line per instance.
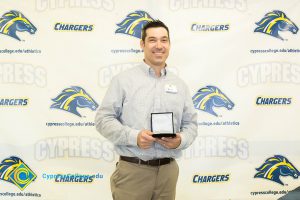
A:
(132, 181)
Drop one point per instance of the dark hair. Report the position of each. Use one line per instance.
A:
(153, 24)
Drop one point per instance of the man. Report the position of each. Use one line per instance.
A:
(147, 169)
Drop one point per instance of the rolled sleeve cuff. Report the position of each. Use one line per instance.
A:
(133, 137)
(183, 142)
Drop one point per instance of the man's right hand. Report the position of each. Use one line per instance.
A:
(145, 139)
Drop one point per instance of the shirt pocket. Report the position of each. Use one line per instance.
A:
(174, 102)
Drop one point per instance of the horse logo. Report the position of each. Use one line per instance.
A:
(275, 21)
(208, 97)
(15, 171)
(72, 98)
(133, 23)
(14, 21)
(275, 167)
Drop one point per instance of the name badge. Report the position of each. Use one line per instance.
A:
(169, 88)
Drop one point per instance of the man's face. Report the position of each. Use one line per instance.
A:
(156, 46)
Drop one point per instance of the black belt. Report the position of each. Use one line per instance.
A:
(155, 162)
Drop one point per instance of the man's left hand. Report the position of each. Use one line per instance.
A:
(170, 142)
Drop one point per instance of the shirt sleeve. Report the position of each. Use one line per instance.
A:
(107, 117)
(189, 126)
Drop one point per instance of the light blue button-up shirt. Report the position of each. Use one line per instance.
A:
(127, 106)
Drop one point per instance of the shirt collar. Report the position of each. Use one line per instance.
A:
(149, 70)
